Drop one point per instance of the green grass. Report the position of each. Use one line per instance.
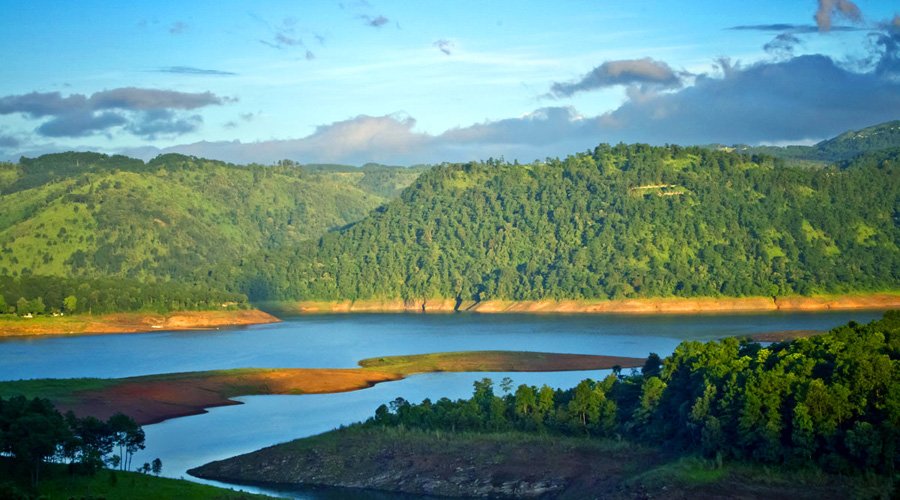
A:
(58, 390)
(687, 471)
(478, 361)
(173, 219)
(61, 389)
(694, 473)
(113, 485)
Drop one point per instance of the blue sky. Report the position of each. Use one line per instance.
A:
(424, 82)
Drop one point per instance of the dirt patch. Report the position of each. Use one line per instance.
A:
(670, 305)
(416, 462)
(512, 465)
(154, 398)
(132, 322)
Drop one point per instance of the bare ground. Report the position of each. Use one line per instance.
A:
(514, 465)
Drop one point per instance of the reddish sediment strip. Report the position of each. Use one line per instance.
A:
(155, 398)
(133, 322)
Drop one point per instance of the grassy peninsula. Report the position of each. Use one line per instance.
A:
(810, 418)
(154, 398)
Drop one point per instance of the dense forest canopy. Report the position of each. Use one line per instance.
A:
(623, 221)
(831, 400)
(618, 222)
(36, 295)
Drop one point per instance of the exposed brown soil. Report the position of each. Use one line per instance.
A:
(132, 322)
(670, 305)
(155, 398)
(414, 462)
(502, 466)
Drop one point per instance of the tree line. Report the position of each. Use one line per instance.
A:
(33, 432)
(46, 295)
(832, 400)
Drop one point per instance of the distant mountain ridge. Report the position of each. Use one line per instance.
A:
(854, 143)
(842, 148)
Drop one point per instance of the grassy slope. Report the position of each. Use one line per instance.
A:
(168, 220)
(114, 485)
(511, 464)
(154, 398)
(837, 149)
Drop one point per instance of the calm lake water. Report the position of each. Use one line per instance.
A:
(341, 341)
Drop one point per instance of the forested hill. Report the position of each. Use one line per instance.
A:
(622, 221)
(92, 215)
(843, 148)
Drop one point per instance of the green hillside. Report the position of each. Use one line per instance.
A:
(842, 148)
(620, 222)
(90, 215)
(855, 142)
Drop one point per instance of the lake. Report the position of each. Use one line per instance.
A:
(340, 341)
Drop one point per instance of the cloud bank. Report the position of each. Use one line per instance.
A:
(783, 99)
(146, 113)
(794, 100)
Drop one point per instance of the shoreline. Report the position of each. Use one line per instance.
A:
(151, 399)
(132, 322)
(370, 460)
(667, 305)
(137, 322)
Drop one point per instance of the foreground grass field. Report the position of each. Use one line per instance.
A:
(112, 485)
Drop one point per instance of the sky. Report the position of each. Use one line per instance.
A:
(404, 83)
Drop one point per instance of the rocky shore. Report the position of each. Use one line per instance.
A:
(669, 305)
